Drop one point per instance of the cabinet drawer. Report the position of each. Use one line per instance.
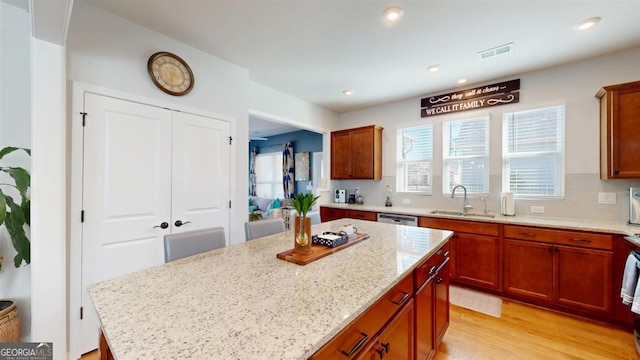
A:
(363, 215)
(428, 268)
(465, 226)
(328, 214)
(561, 237)
(355, 337)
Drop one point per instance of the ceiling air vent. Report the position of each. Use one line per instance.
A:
(498, 50)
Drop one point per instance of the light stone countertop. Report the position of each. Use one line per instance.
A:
(241, 302)
(613, 227)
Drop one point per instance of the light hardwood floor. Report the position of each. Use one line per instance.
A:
(526, 333)
(529, 333)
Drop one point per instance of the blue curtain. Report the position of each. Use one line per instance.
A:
(288, 170)
(252, 171)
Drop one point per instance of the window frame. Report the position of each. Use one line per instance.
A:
(277, 182)
(402, 185)
(447, 187)
(558, 154)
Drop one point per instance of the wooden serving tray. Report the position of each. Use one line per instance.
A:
(319, 251)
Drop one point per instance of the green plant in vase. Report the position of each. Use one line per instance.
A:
(302, 203)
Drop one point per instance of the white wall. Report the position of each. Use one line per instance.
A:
(48, 195)
(15, 130)
(574, 84)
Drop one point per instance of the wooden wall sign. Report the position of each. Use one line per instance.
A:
(475, 98)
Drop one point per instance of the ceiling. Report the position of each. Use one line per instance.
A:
(315, 49)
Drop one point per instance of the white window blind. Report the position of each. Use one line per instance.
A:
(269, 175)
(465, 155)
(533, 152)
(413, 159)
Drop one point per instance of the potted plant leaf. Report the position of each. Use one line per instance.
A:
(14, 216)
(302, 203)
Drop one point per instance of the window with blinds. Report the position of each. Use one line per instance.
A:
(414, 157)
(533, 152)
(269, 175)
(465, 155)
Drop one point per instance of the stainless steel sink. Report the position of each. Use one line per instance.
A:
(460, 213)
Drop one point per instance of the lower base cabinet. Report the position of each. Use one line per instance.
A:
(407, 323)
(432, 303)
(396, 340)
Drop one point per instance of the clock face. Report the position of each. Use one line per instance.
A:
(170, 73)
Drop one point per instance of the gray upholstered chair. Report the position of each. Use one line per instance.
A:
(178, 246)
(260, 228)
(314, 216)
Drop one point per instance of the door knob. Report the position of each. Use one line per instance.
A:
(179, 223)
(164, 225)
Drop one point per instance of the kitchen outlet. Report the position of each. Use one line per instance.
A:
(406, 201)
(607, 198)
(537, 209)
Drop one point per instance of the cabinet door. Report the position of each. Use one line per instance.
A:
(478, 260)
(329, 214)
(441, 304)
(528, 269)
(341, 156)
(395, 340)
(363, 153)
(583, 278)
(626, 146)
(425, 346)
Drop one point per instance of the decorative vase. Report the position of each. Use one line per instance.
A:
(302, 235)
(9, 321)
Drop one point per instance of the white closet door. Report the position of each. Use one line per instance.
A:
(126, 194)
(200, 190)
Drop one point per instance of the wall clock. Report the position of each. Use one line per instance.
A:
(170, 73)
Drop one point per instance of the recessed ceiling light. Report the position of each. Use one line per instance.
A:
(433, 68)
(347, 92)
(462, 81)
(586, 24)
(393, 13)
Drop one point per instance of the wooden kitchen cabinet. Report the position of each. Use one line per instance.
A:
(396, 340)
(363, 215)
(566, 268)
(476, 251)
(619, 122)
(357, 153)
(432, 302)
(369, 327)
(329, 214)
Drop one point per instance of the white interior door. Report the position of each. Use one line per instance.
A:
(200, 189)
(126, 194)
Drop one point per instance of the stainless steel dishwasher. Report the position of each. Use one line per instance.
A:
(398, 219)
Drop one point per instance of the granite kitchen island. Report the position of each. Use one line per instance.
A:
(241, 302)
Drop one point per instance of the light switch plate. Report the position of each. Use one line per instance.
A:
(537, 209)
(607, 198)
(406, 201)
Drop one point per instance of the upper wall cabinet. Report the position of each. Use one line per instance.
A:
(357, 153)
(619, 124)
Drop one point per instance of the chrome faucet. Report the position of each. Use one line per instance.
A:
(465, 205)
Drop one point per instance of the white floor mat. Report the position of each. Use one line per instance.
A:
(476, 301)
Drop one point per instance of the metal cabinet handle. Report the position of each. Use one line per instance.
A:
(380, 353)
(527, 234)
(386, 347)
(581, 240)
(433, 268)
(164, 225)
(439, 281)
(356, 346)
(404, 297)
(179, 223)
(446, 253)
